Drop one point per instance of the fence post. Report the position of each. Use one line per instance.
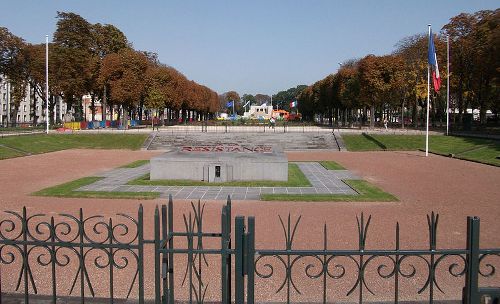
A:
(239, 231)
(471, 290)
(157, 257)
(250, 257)
(229, 218)
(170, 237)
(140, 235)
(165, 264)
(225, 256)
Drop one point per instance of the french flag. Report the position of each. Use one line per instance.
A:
(436, 79)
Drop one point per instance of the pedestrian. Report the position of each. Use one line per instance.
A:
(272, 122)
(385, 123)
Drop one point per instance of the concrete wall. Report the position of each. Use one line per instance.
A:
(203, 169)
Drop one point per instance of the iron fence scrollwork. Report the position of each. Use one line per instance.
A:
(59, 242)
(84, 245)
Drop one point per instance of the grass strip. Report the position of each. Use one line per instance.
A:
(367, 193)
(9, 153)
(295, 179)
(42, 143)
(68, 190)
(136, 164)
(479, 150)
(331, 165)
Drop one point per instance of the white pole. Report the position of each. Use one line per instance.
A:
(47, 81)
(448, 84)
(428, 101)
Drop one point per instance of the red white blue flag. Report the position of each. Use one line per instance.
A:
(436, 79)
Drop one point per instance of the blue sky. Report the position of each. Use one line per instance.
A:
(248, 46)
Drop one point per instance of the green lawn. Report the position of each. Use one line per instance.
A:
(68, 190)
(331, 165)
(295, 179)
(476, 149)
(9, 153)
(367, 193)
(42, 143)
(136, 164)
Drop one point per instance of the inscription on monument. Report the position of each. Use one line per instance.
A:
(228, 148)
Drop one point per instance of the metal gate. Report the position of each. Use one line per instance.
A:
(67, 252)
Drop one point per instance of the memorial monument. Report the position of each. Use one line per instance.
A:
(221, 163)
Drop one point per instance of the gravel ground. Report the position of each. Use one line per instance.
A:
(451, 187)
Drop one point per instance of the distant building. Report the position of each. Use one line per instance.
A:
(260, 112)
(28, 107)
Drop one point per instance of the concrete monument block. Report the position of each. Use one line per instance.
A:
(221, 163)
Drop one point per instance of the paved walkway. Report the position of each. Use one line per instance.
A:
(323, 182)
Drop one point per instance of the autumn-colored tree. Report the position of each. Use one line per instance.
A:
(13, 67)
(234, 97)
(107, 40)
(125, 73)
(378, 77)
(486, 62)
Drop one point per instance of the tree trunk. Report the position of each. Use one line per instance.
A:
(92, 106)
(372, 116)
(33, 107)
(403, 115)
(103, 106)
(415, 114)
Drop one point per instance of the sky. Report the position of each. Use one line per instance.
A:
(258, 46)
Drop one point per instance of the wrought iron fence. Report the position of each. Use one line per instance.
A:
(82, 245)
(57, 243)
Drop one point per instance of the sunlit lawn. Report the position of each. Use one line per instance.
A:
(476, 149)
(42, 143)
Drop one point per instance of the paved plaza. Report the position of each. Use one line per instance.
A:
(405, 174)
(322, 181)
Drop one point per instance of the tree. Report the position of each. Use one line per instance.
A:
(125, 73)
(74, 44)
(262, 98)
(248, 98)
(378, 76)
(107, 40)
(283, 98)
(13, 63)
(413, 51)
(234, 97)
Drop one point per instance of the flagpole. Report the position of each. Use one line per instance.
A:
(47, 118)
(448, 84)
(428, 101)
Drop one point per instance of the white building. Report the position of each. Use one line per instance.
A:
(25, 111)
(259, 112)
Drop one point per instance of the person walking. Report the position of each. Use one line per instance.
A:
(272, 122)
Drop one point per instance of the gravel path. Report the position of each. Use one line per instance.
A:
(452, 187)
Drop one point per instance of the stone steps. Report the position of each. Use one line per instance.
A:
(287, 141)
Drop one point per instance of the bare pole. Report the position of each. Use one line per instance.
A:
(447, 84)
(428, 101)
(47, 118)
